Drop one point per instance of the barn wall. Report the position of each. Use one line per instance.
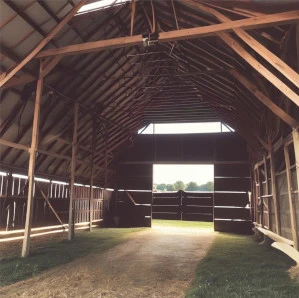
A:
(283, 217)
(188, 148)
(231, 199)
(134, 169)
(227, 151)
(47, 195)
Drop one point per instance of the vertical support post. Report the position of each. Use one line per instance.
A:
(274, 193)
(266, 192)
(106, 166)
(291, 199)
(31, 167)
(297, 44)
(71, 230)
(296, 148)
(261, 203)
(133, 8)
(255, 214)
(251, 194)
(91, 179)
(181, 203)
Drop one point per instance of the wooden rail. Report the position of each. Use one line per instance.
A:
(281, 243)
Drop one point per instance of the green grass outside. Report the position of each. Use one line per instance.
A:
(181, 224)
(237, 266)
(60, 252)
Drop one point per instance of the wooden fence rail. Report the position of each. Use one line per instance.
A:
(51, 202)
(183, 205)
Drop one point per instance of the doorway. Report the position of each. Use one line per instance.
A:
(183, 192)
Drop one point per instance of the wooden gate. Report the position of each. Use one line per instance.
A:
(183, 205)
(82, 204)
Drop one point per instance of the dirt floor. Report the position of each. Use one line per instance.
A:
(158, 262)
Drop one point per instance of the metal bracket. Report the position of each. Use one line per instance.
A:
(150, 39)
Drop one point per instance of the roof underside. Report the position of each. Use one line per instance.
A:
(123, 89)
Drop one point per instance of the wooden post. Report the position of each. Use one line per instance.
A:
(91, 179)
(291, 198)
(257, 192)
(133, 8)
(266, 192)
(259, 196)
(73, 172)
(43, 42)
(274, 194)
(297, 44)
(296, 150)
(181, 203)
(31, 168)
(106, 166)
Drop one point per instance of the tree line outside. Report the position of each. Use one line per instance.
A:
(191, 186)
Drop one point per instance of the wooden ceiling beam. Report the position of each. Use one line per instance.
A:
(28, 78)
(45, 6)
(250, 23)
(21, 80)
(275, 61)
(42, 43)
(280, 85)
(49, 65)
(265, 100)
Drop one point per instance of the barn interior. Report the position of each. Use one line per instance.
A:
(80, 78)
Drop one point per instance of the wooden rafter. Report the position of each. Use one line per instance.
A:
(42, 43)
(183, 34)
(133, 9)
(263, 51)
(275, 61)
(265, 99)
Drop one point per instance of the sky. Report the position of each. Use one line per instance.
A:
(99, 4)
(169, 174)
(184, 128)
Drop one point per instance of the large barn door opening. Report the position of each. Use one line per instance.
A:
(183, 192)
(228, 152)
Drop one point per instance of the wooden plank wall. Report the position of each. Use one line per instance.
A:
(135, 176)
(13, 203)
(231, 199)
(194, 148)
(281, 218)
(134, 208)
(82, 203)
